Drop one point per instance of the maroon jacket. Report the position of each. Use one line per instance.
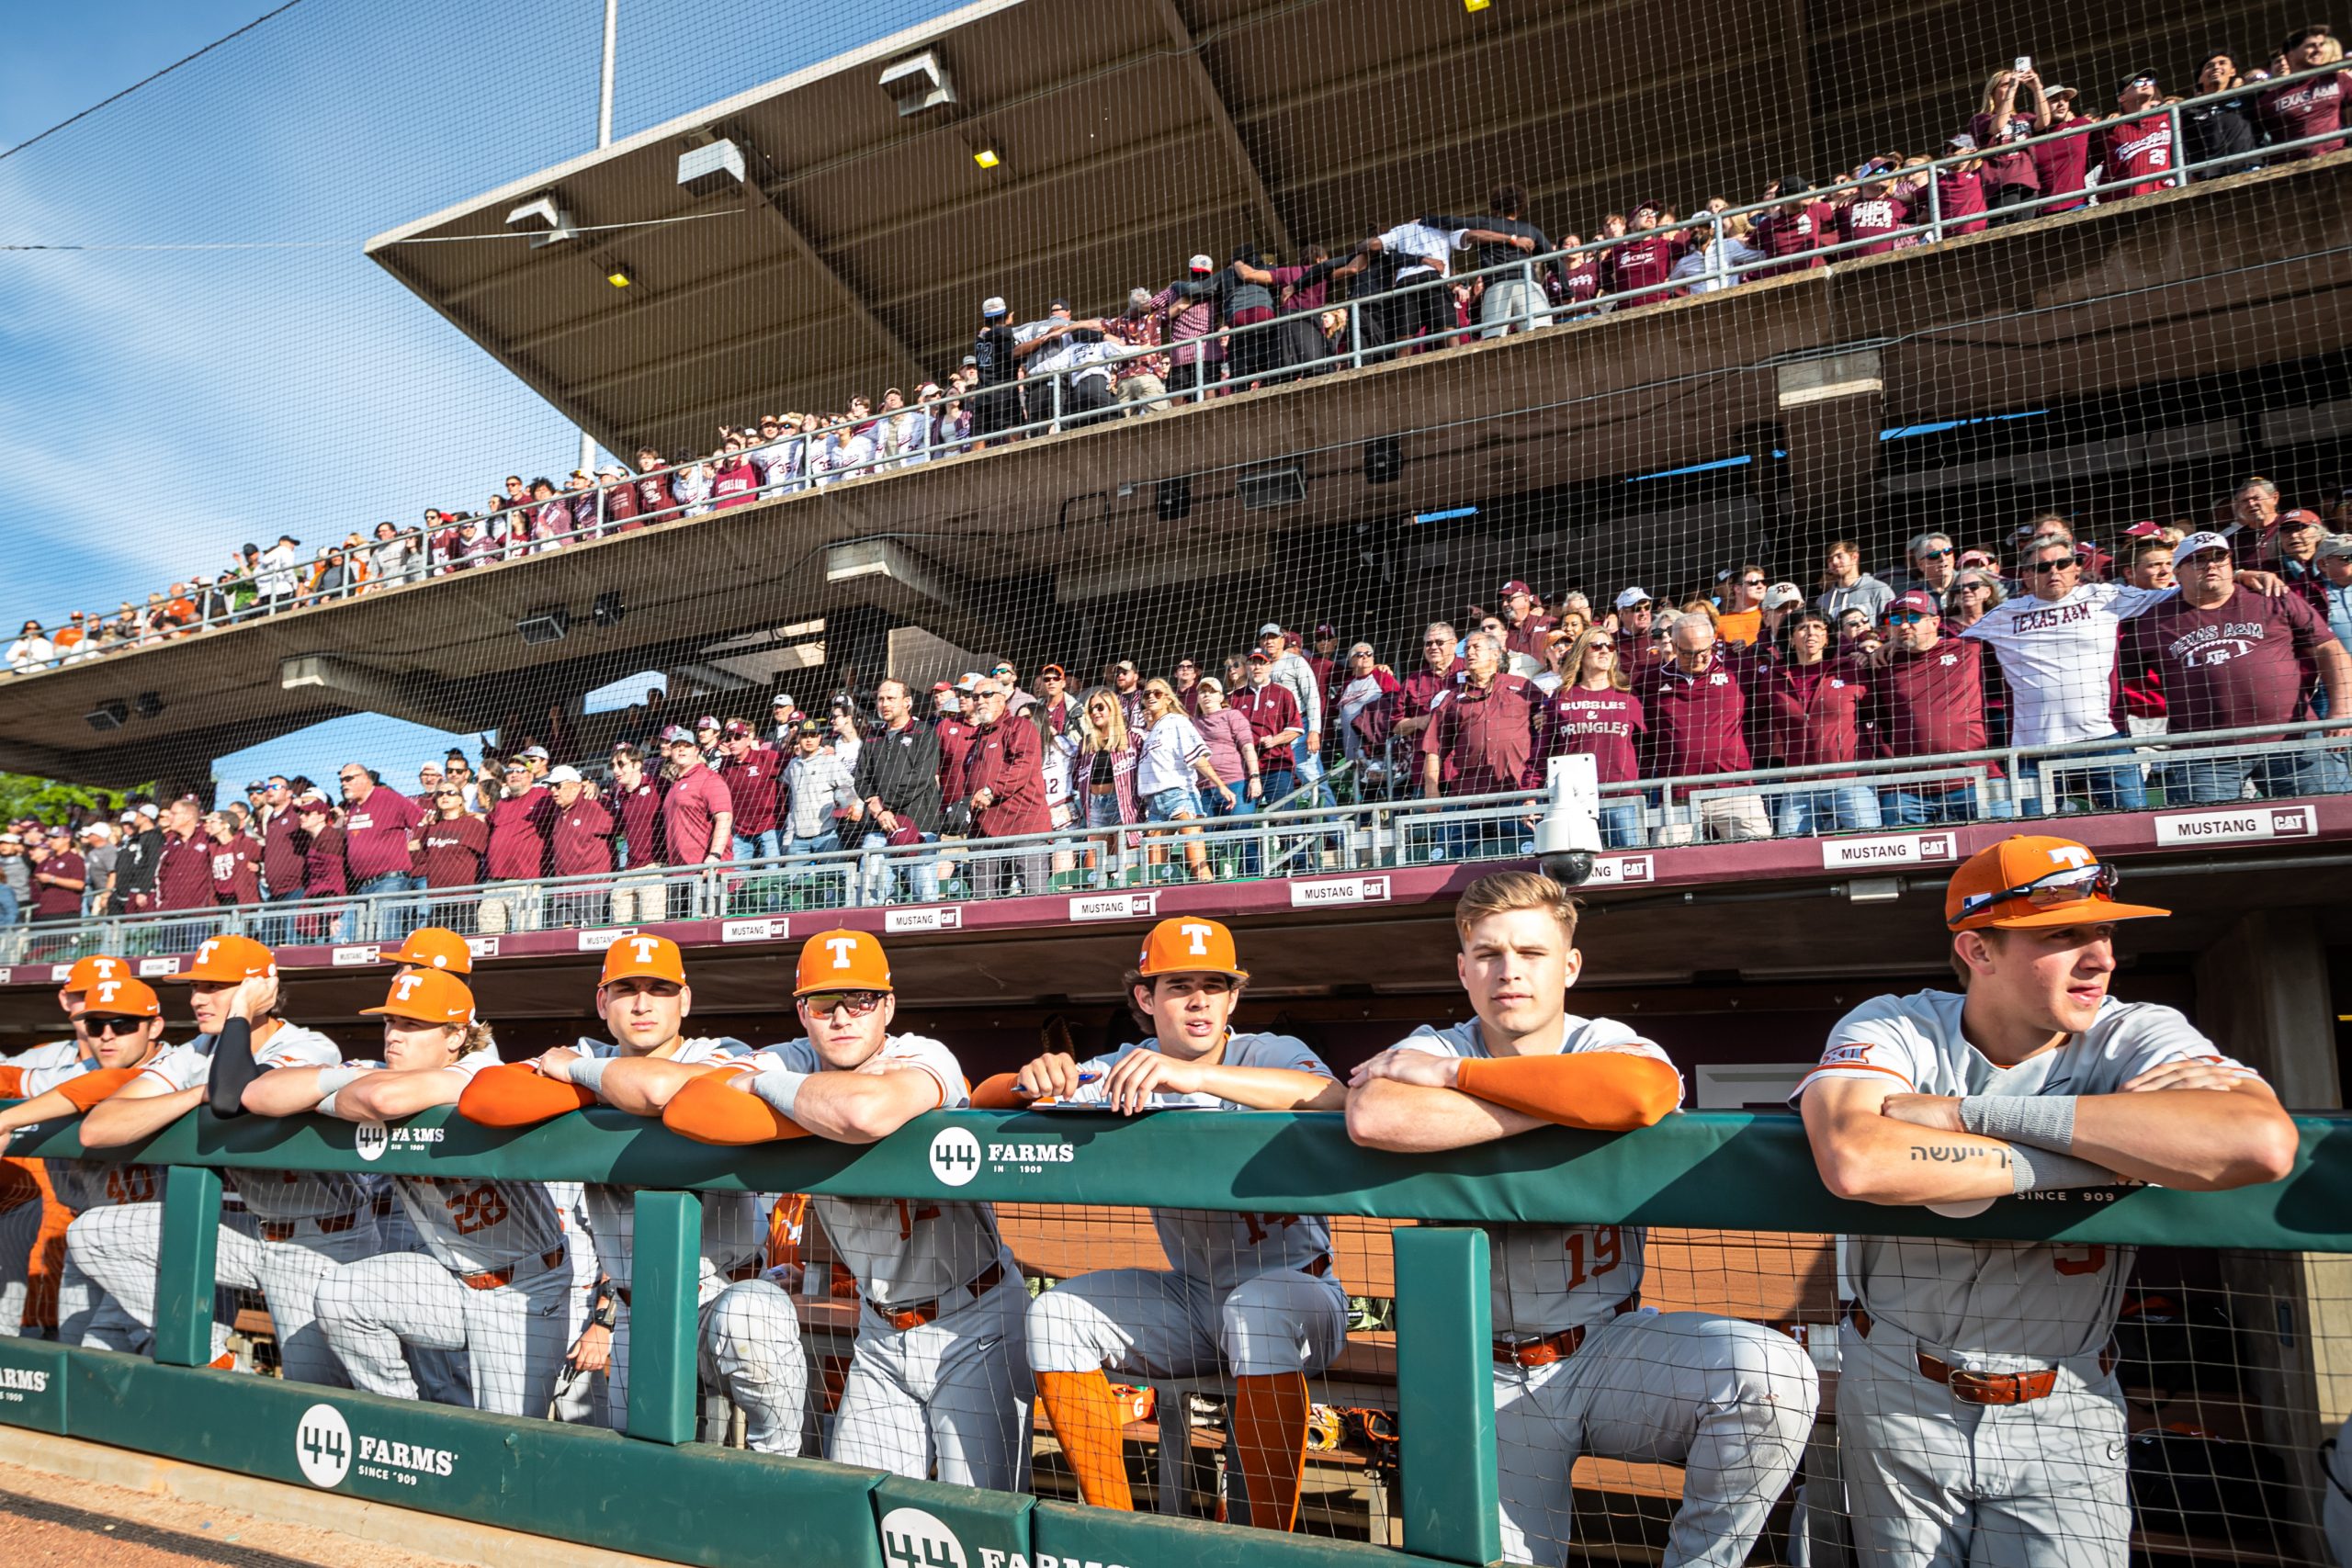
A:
(955, 745)
(1812, 711)
(1697, 722)
(183, 879)
(1007, 759)
(236, 870)
(283, 847)
(621, 508)
(1486, 737)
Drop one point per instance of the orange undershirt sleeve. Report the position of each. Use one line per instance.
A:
(711, 1110)
(1601, 1092)
(85, 1089)
(996, 1094)
(514, 1095)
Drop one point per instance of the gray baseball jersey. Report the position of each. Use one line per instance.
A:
(1549, 1278)
(275, 1195)
(2036, 1300)
(63, 1052)
(902, 1251)
(732, 1230)
(1216, 1246)
(471, 1227)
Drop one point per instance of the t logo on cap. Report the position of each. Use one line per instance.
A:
(842, 946)
(405, 988)
(107, 990)
(645, 946)
(1200, 938)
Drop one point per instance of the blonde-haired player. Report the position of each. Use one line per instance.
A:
(1254, 1294)
(939, 1375)
(750, 1336)
(497, 1269)
(302, 1224)
(1979, 1420)
(1580, 1366)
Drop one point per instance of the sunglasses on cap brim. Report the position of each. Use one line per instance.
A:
(2075, 885)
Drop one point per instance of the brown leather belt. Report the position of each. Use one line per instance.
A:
(921, 1312)
(498, 1278)
(1553, 1347)
(329, 1225)
(1986, 1388)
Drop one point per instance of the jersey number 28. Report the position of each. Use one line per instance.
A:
(474, 1209)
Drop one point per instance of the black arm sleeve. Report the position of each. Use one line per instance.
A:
(233, 1067)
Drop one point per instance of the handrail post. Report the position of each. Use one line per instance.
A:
(185, 1266)
(2179, 163)
(1715, 269)
(663, 1317)
(1355, 333)
(1452, 1500)
(1935, 206)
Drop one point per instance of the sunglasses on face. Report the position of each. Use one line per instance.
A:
(1934, 554)
(858, 1004)
(1905, 618)
(2042, 567)
(99, 1027)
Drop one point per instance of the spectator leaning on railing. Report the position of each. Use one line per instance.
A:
(697, 817)
(2136, 154)
(1005, 783)
(753, 774)
(1481, 740)
(2233, 660)
(1696, 709)
(519, 824)
(379, 844)
(1927, 696)
(822, 791)
(453, 843)
(897, 785)
(2294, 110)
(1814, 698)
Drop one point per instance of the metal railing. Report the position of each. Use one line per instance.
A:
(1354, 355)
(2214, 769)
(1713, 1172)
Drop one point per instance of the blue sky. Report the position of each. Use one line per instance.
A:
(180, 401)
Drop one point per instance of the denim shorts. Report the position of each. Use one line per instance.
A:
(1170, 804)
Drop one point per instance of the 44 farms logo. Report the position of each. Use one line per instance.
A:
(327, 1450)
(370, 1139)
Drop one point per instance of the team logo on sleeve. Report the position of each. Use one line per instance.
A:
(954, 1157)
(1840, 1055)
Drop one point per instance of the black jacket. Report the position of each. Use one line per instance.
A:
(900, 769)
(135, 868)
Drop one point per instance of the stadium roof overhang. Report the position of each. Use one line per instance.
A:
(855, 251)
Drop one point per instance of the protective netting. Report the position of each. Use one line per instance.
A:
(1739, 1396)
(1827, 475)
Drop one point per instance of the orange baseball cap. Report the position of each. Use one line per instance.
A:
(2033, 880)
(1187, 944)
(88, 971)
(643, 955)
(124, 998)
(229, 959)
(429, 995)
(841, 961)
(435, 947)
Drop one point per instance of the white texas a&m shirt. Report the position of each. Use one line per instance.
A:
(469, 1225)
(1221, 1246)
(903, 1251)
(732, 1230)
(2000, 1305)
(2060, 658)
(1549, 1278)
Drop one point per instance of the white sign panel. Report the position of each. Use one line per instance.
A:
(1897, 849)
(2236, 824)
(1338, 890)
(1113, 906)
(931, 918)
(764, 928)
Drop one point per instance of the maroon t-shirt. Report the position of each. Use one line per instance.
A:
(1603, 724)
(283, 845)
(50, 903)
(640, 820)
(1780, 232)
(1697, 722)
(2002, 169)
(376, 834)
(1869, 217)
(579, 842)
(1642, 261)
(236, 871)
(2304, 109)
(1925, 704)
(323, 873)
(2063, 168)
(1960, 196)
(1487, 735)
(2133, 152)
(752, 783)
(689, 812)
(1271, 709)
(453, 850)
(1577, 278)
(518, 835)
(621, 509)
(653, 502)
(184, 876)
(2227, 668)
(734, 484)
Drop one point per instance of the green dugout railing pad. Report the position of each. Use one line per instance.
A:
(1729, 1169)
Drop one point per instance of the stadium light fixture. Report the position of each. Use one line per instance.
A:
(918, 82)
(618, 278)
(542, 220)
(1475, 6)
(107, 716)
(550, 625)
(986, 158)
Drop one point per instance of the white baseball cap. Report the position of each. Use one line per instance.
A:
(1270, 629)
(993, 305)
(2207, 540)
(150, 811)
(1781, 593)
(564, 775)
(1632, 596)
(1202, 264)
